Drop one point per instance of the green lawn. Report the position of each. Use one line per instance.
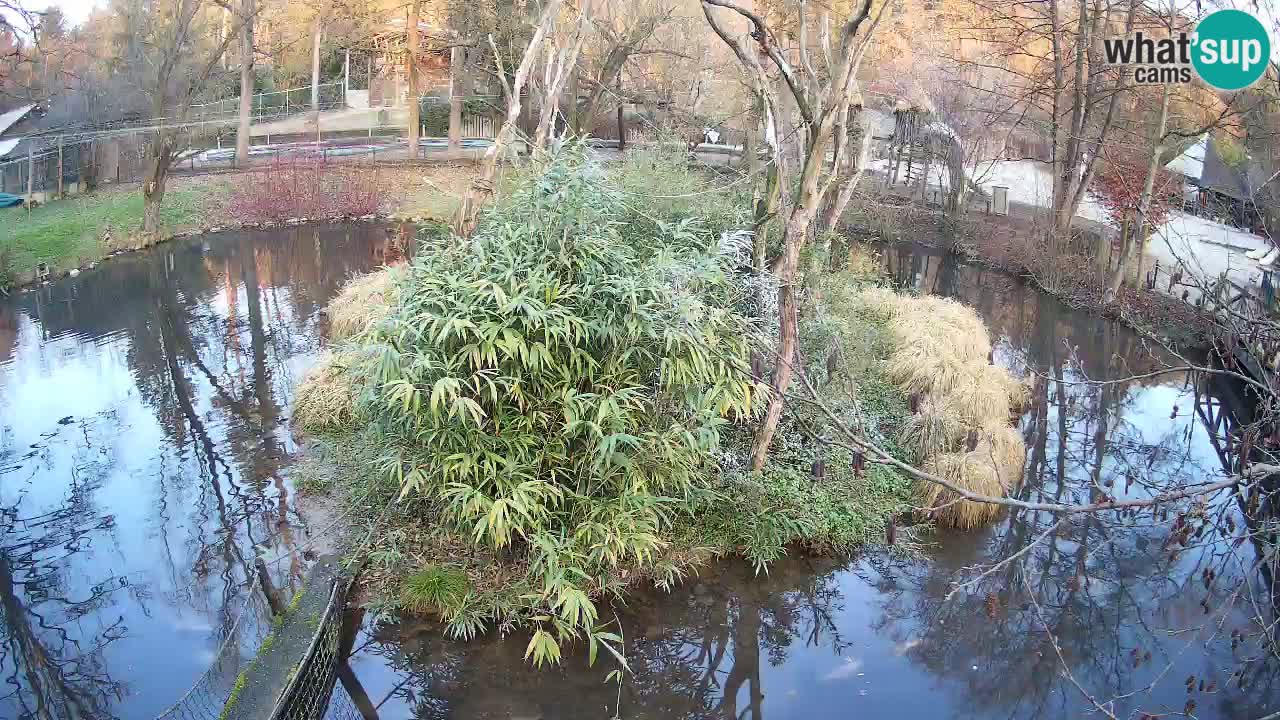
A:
(69, 233)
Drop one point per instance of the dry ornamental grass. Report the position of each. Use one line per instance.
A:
(326, 399)
(961, 425)
(364, 301)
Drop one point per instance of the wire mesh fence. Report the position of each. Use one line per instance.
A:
(306, 697)
(208, 696)
(342, 706)
(275, 103)
(38, 171)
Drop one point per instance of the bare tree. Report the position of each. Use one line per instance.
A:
(822, 102)
(173, 57)
(481, 188)
(1051, 77)
(246, 82)
(623, 36)
(1136, 238)
(561, 58)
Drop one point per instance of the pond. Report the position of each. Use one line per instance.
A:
(878, 636)
(144, 447)
(143, 436)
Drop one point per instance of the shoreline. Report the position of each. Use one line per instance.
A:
(28, 281)
(415, 197)
(1141, 310)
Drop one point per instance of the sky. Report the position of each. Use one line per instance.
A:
(75, 11)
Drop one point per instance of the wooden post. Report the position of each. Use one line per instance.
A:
(273, 598)
(456, 91)
(60, 188)
(622, 130)
(411, 67)
(31, 172)
(316, 36)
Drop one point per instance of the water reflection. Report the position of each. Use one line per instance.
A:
(143, 434)
(1116, 599)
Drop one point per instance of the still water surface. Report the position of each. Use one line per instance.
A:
(144, 444)
(143, 432)
(877, 636)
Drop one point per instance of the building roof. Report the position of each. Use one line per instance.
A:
(1202, 164)
(8, 119)
(1190, 162)
(878, 122)
(1220, 177)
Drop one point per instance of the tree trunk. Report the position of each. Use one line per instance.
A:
(766, 208)
(153, 187)
(456, 59)
(860, 145)
(1148, 187)
(1139, 235)
(481, 188)
(788, 331)
(565, 62)
(575, 117)
(610, 70)
(246, 84)
(411, 69)
(769, 195)
(622, 130)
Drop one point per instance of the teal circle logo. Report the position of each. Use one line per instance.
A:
(1231, 49)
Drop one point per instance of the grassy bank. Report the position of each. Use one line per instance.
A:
(80, 229)
(529, 422)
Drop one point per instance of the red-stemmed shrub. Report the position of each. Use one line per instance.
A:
(305, 187)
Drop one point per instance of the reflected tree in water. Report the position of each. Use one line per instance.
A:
(48, 667)
(211, 333)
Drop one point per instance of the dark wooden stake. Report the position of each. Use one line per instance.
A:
(273, 598)
(622, 130)
(31, 172)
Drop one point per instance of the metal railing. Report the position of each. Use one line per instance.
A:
(306, 697)
(277, 103)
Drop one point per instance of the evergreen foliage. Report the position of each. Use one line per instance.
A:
(557, 392)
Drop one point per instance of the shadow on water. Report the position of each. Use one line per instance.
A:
(1135, 621)
(143, 438)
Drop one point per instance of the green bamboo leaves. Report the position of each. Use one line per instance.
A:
(557, 392)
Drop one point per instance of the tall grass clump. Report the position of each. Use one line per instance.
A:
(960, 427)
(556, 392)
(434, 589)
(363, 302)
(327, 396)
